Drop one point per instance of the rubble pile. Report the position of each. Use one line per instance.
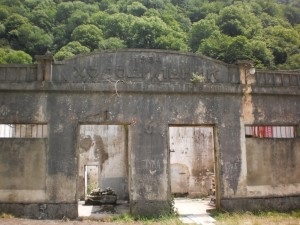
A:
(99, 197)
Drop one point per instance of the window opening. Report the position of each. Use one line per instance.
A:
(255, 131)
(23, 130)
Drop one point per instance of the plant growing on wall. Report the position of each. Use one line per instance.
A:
(198, 78)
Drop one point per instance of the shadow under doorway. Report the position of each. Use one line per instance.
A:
(103, 171)
(192, 168)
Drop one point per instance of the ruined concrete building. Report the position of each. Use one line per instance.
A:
(149, 124)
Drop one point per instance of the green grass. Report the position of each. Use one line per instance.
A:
(164, 219)
(222, 218)
(259, 218)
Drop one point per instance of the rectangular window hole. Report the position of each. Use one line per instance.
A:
(266, 131)
(23, 131)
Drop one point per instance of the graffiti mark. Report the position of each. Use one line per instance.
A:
(152, 165)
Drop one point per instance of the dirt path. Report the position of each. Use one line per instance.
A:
(16, 221)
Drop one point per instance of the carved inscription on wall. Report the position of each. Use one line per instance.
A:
(142, 66)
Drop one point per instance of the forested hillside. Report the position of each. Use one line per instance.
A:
(266, 31)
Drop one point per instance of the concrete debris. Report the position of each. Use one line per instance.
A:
(99, 197)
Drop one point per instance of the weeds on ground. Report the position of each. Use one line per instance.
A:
(125, 217)
(6, 216)
(163, 219)
(257, 218)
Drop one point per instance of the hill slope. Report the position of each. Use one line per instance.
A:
(268, 32)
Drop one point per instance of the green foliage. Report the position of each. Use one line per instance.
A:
(145, 31)
(215, 46)
(200, 31)
(2, 30)
(239, 48)
(261, 54)
(3, 13)
(71, 49)
(237, 20)
(31, 38)
(116, 25)
(9, 56)
(88, 35)
(268, 32)
(14, 21)
(112, 43)
(292, 62)
(198, 78)
(171, 42)
(136, 9)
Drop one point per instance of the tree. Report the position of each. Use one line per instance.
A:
(32, 38)
(88, 35)
(43, 16)
(106, 4)
(198, 10)
(270, 7)
(9, 56)
(71, 49)
(292, 13)
(239, 48)
(156, 4)
(112, 43)
(64, 10)
(208, 27)
(14, 21)
(61, 37)
(201, 30)
(3, 13)
(145, 30)
(174, 19)
(171, 42)
(76, 18)
(215, 46)
(136, 9)
(283, 41)
(261, 54)
(292, 62)
(117, 25)
(2, 30)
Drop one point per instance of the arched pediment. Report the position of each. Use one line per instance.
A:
(142, 65)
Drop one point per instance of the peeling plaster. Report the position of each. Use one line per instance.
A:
(247, 107)
(40, 114)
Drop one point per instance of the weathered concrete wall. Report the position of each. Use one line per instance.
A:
(274, 163)
(23, 170)
(269, 98)
(191, 160)
(147, 91)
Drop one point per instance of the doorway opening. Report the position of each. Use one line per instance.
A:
(91, 178)
(192, 168)
(103, 170)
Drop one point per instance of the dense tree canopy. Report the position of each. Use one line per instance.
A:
(267, 32)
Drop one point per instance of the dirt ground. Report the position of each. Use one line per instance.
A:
(17, 221)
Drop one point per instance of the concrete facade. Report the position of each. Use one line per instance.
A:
(146, 92)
